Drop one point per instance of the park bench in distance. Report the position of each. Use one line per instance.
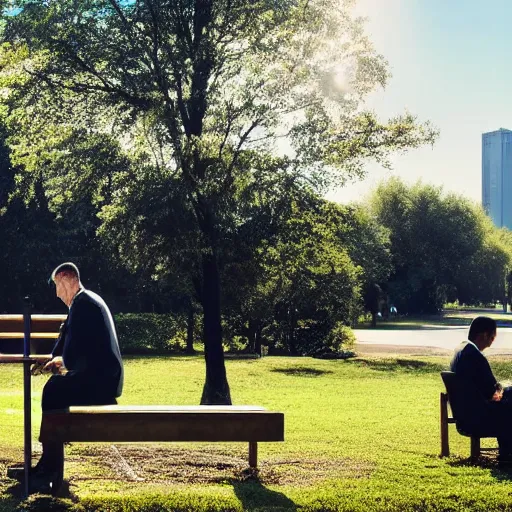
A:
(455, 397)
(133, 424)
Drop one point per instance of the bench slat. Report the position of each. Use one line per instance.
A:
(207, 409)
(20, 358)
(39, 323)
(33, 335)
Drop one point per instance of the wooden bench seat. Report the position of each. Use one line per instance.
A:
(153, 423)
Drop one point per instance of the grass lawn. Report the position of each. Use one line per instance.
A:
(361, 435)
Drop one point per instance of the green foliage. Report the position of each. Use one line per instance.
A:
(186, 113)
(443, 248)
(340, 338)
(292, 279)
(150, 333)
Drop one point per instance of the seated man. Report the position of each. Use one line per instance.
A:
(86, 363)
(489, 407)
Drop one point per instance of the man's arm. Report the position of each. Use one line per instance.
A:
(58, 348)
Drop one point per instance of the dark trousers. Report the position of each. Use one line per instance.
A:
(504, 421)
(61, 392)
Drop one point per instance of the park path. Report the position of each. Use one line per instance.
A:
(435, 340)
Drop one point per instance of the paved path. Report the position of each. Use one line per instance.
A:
(427, 340)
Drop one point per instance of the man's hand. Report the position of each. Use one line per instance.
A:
(54, 366)
(498, 395)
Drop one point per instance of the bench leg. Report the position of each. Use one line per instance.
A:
(445, 447)
(475, 447)
(57, 481)
(253, 455)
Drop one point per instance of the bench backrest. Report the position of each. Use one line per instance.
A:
(44, 332)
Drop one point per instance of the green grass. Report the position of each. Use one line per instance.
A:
(361, 435)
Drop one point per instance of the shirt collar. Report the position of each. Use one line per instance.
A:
(471, 343)
(76, 295)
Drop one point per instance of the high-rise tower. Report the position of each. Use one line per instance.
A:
(497, 176)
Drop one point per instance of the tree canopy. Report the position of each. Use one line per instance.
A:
(443, 248)
(186, 93)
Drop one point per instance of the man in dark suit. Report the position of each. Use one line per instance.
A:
(486, 406)
(86, 362)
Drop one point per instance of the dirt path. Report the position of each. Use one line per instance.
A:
(385, 349)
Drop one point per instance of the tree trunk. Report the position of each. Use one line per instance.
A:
(257, 343)
(190, 330)
(251, 336)
(291, 333)
(216, 388)
(374, 319)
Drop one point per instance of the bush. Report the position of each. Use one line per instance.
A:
(340, 338)
(338, 344)
(150, 333)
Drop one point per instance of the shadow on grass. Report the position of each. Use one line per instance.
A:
(253, 495)
(398, 365)
(301, 371)
(60, 503)
(502, 473)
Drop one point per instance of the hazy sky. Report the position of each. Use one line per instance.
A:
(451, 64)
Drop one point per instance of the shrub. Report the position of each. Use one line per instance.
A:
(340, 338)
(150, 333)
(338, 344)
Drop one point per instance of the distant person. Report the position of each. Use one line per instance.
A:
(491, 408)
(86, 363)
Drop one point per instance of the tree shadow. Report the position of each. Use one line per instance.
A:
(395, 365)
(253, 495)
(301, 371)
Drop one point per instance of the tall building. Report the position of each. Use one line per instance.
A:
(497, 176)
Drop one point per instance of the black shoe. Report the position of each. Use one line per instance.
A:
(43, 482)
(505, 460)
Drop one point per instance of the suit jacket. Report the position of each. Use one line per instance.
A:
(88, 344)
(472, 366)
(476, 412)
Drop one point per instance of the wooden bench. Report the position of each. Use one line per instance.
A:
(153, 423)
(133, 424)
(451, 384)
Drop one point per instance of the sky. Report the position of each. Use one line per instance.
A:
(450, 64)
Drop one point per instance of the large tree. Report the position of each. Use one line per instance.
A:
(199, 82)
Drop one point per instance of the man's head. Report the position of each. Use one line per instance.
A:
(482, 331)
(67, 281)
